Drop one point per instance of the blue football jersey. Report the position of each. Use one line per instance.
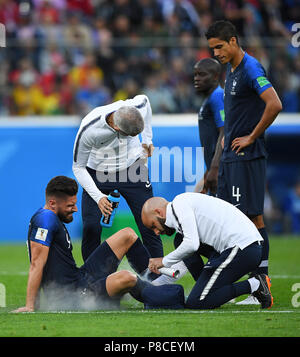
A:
(244, 107)
(210, 118)
(46, 228)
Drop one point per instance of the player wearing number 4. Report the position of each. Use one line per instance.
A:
(251, 105)
(207, 220)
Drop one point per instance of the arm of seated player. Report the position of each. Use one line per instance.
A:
(39, 256)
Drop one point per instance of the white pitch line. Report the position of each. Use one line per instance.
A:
(168, 312)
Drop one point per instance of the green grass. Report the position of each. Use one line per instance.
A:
(132, 321)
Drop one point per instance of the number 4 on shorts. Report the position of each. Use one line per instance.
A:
(236, 193)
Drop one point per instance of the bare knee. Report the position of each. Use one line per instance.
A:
(129, 235)
(127, 279)
(120, 282)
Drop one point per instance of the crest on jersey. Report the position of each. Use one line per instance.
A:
(233, 88)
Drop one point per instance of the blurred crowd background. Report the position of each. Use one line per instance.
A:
(65, 57)
(69, 56)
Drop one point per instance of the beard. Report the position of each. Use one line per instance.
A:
(167, 230)
(65, 218)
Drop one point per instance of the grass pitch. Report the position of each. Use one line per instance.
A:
(231, 320)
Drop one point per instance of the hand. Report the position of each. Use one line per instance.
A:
(239, 143)
(105, 206)
(199, 186)
(155, 264)
(148, 149)
(23, 309)
(211, 180)
(222, 143)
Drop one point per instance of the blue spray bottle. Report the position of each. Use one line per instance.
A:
(114, 198)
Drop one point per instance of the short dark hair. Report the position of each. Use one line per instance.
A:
(224, 30)
(61, 186)
(210, 64)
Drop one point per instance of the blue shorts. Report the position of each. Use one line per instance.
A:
(242, 183)
(94, 272)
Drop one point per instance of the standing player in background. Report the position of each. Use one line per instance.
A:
(210, 119)
(211, 130)
(251, 105)
(108, 155)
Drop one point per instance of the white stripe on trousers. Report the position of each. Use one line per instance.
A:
(218, 271)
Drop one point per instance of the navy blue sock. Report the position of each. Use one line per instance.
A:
(136, 291)
(264, 264)
(138, 256)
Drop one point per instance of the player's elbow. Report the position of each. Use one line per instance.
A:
(277, 106)
(77, 169)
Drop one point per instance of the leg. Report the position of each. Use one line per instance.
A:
(120, 283)
(222, 189)
(216, 284)
(121, 241)
(102, 264)
(264, 264)
(91, 235)
(247, 181)
(136, 194)
(91, 216)
(194, 262)
(257, 170)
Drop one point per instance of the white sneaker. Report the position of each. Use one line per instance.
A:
(250, 300)
(232, 301)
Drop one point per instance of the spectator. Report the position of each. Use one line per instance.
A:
(129, 90)
(95, 94)
(131, 38)
(77, 38)
(79, 75)
(26, 94)
(160, 97)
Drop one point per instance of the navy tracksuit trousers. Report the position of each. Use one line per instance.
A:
(217, 282)
(135, 194)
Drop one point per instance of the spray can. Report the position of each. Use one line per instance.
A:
(114, 198)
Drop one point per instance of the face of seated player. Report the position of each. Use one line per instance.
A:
(65, 207)
(224, 51)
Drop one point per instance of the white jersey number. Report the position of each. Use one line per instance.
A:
(236, 193)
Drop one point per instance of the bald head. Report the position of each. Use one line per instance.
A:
(152, 204)
(154, 215)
